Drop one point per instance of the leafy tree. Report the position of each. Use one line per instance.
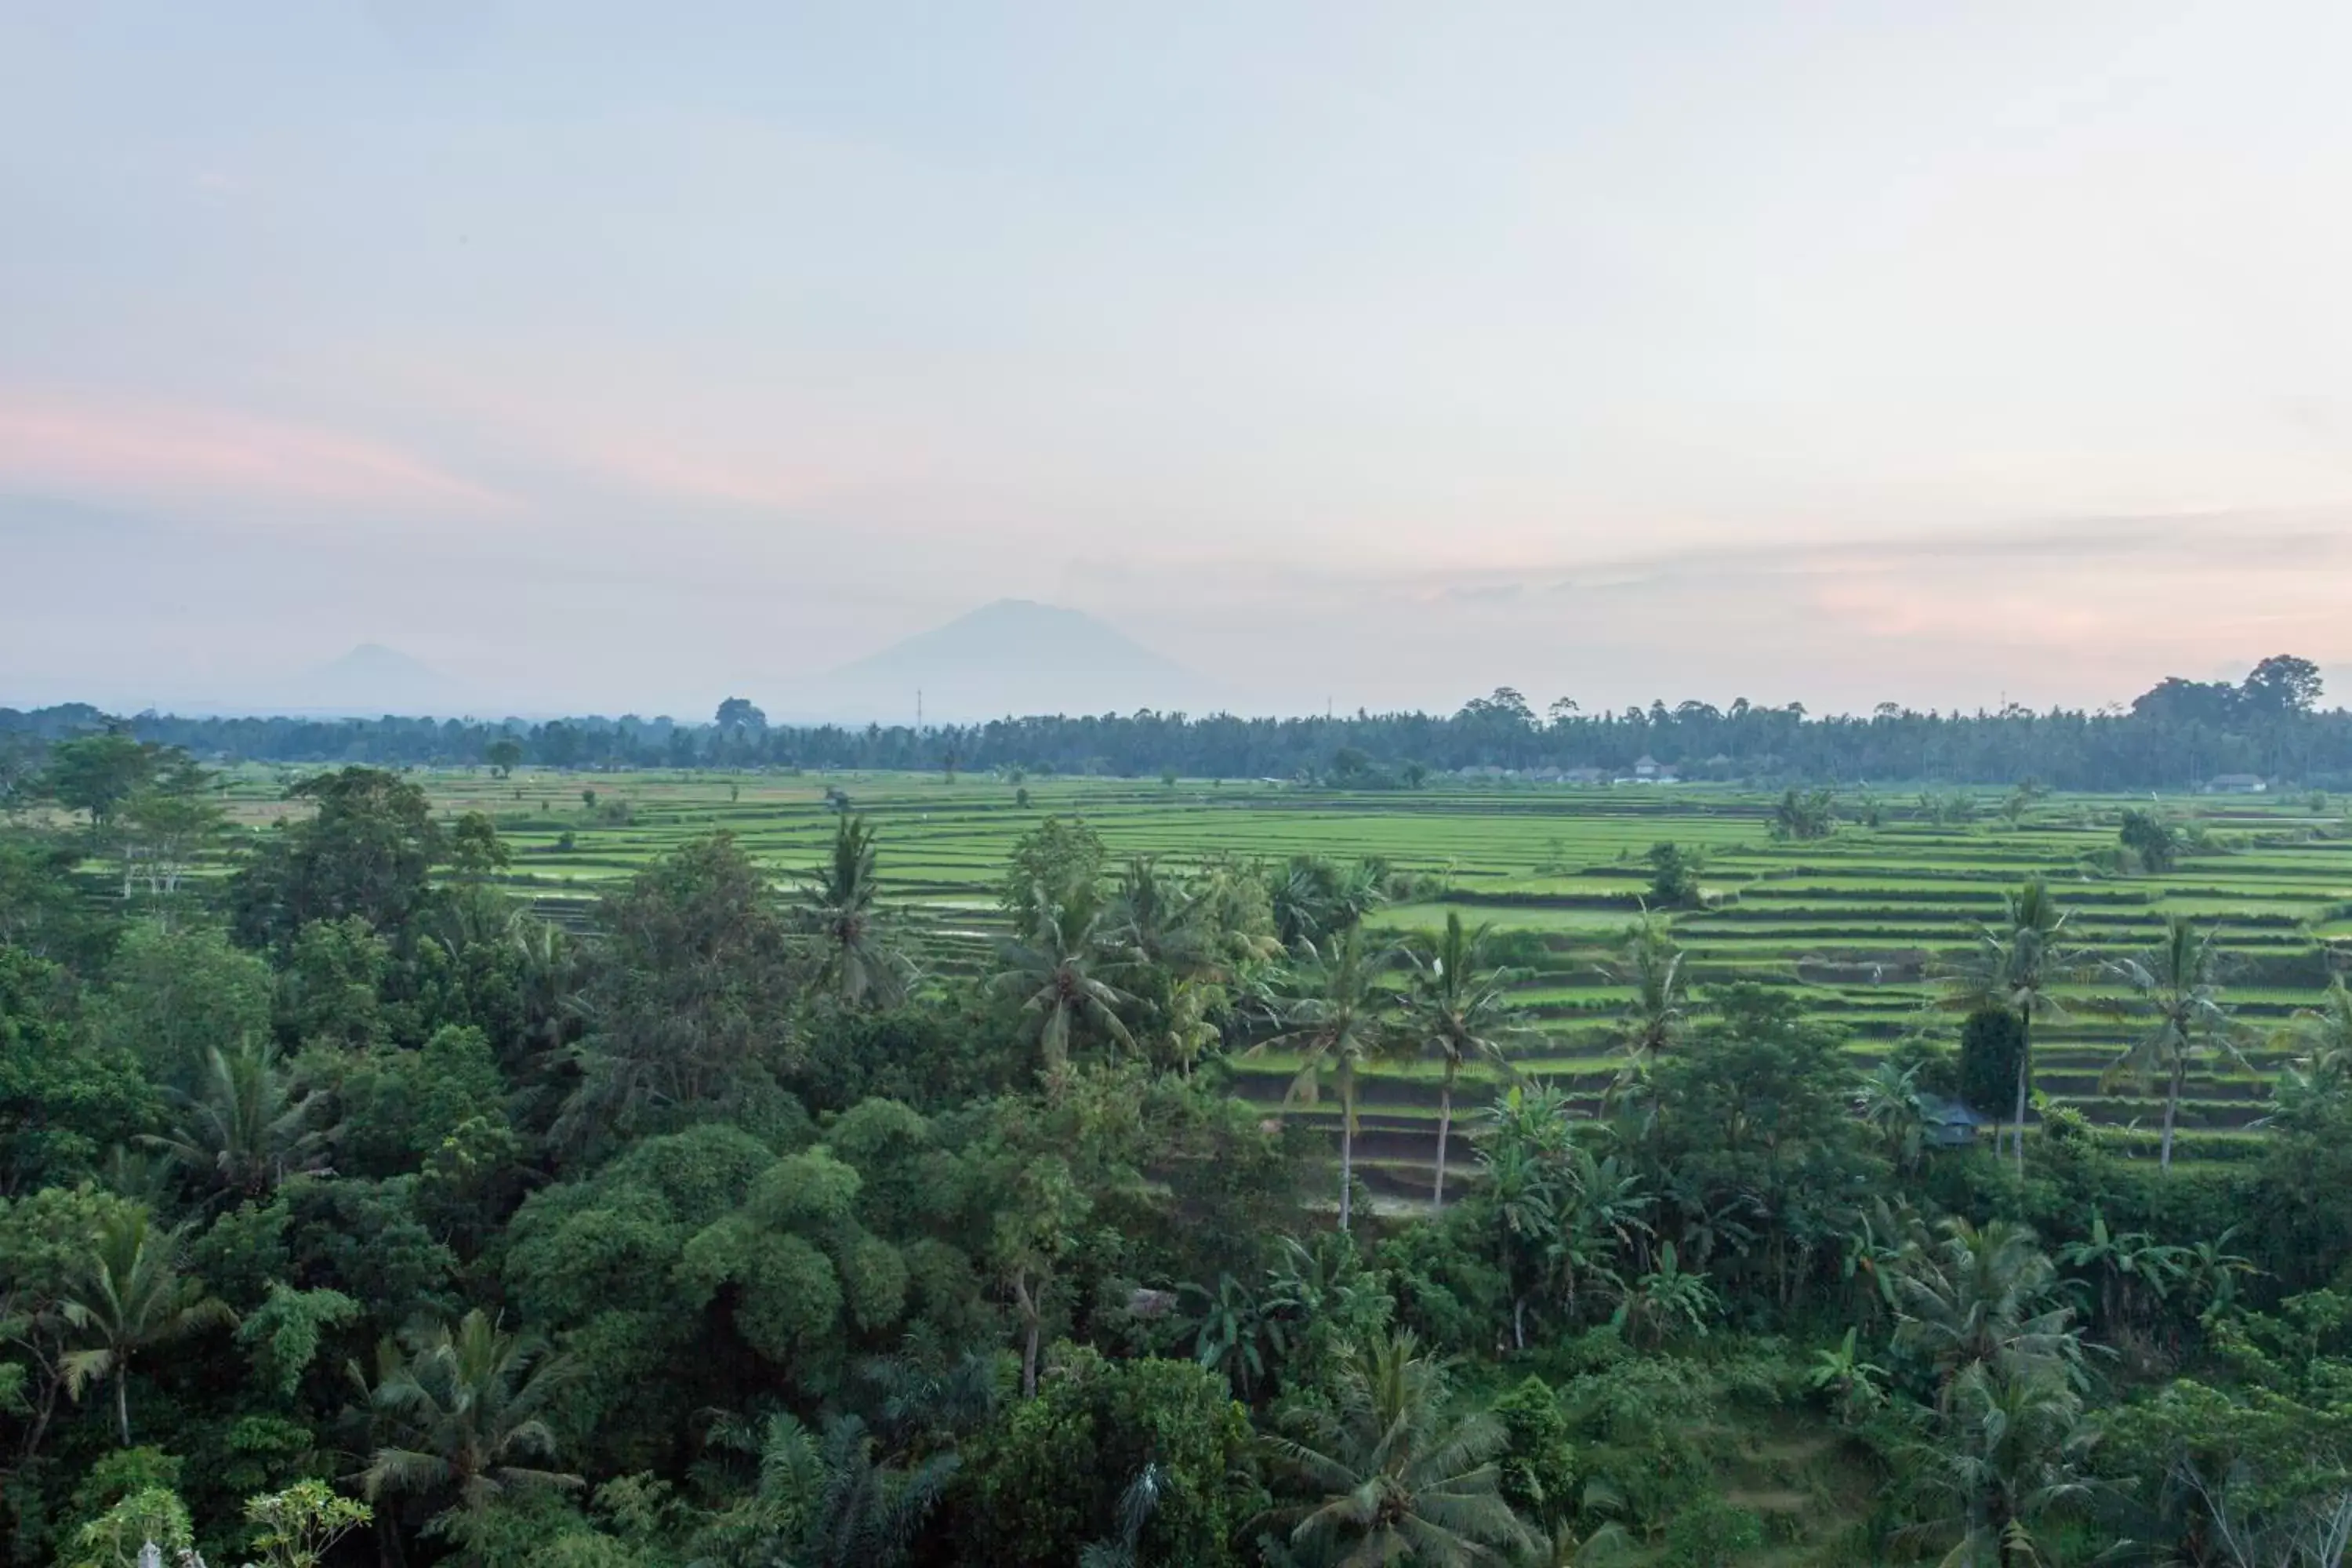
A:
(95, 775)
(173, 995)
(1674, 877)
(2150, 838)
(1333, 1016)
(162, 831)
(1992, 1047)
(1389, 1474)
(2283, 685)
(690, 1008)
(131, 1297)
(1055, 865)
(120, 1537)
(475, 850)
(62, 1096)
(1056, 1476)
(2177, 992)
(503, 753)
(740, 715)
(839, 904)
(298, 1527)
(454, 1414)
(1460, 1009)
(366, 852)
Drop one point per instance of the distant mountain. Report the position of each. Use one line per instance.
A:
(371, 681)
(1011, 656)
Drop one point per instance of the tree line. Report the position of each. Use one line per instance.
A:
(2179, 734)
(348, 1211)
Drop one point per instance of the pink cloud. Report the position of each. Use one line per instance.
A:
(152, 451)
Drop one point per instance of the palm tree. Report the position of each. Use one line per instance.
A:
(1160, 923)
(2016, 1446)
(2018, 961)
(1314, 900)
(2323, 1033)
(2177, 990)
(839, 902)
(1461, 1014)
(132, 1297)
(1985, 1296)
(1333, 1013)
(1660, 1010)
(823, 1501)
(1053, 971)
(456, 1414)
(1391, 1476)
(1889, 1103)
(247, 1128)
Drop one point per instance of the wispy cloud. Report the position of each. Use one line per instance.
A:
(148, 450)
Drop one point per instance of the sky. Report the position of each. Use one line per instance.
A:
(614, 357)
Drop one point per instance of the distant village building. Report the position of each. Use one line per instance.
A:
(2237, 784)
(1645, 767)
(1948, 1123)
(1582, 776)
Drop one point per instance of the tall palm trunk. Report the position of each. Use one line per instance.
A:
(2024, 1076)
(2172, 1108)
(1444, 1131)
(123, 1401)
(1347, 1142)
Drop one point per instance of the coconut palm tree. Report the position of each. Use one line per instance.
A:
(2014, 1448)
(131, 1297)
(2017, 962)
(1889, 1103)
(1157, 920)
(1660, 1010)
(839, 902)
(2177, 990)
(1056, 973)
(248, 1130)
(456, 1416)
(1390, 1474)
(1985, 1296)
(2324, 1035)
(1460, 1011)
(1333, 1013)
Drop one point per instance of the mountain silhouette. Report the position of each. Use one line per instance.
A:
(371, 681)
(1011, 656)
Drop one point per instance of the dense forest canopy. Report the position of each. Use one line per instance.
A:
(2179, 734)
(349, 1212)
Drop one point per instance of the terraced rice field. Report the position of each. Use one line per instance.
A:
(1859, 922)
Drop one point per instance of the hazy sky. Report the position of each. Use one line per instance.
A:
(619, 355)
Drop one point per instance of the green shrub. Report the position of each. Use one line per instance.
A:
(1712, 1533)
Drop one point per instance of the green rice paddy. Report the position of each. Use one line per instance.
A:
(1859, 923)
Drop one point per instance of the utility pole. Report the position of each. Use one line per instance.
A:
(918, 709)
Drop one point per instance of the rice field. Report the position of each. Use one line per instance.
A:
(1858, 922)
